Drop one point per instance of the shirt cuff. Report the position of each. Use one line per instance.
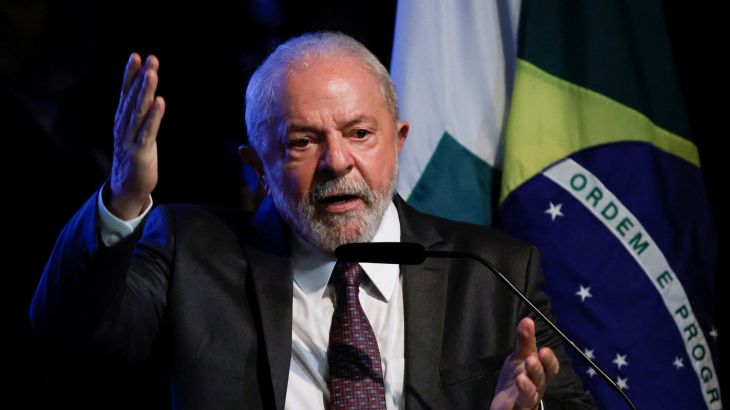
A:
(112, 228)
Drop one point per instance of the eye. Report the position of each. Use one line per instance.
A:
(299, 143)
(361, 133)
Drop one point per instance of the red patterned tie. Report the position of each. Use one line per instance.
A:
(355, 377)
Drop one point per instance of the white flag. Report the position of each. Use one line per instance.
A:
(452, 65)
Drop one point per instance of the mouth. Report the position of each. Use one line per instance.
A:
(341, 203)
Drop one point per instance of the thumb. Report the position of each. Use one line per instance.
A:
(526, 343)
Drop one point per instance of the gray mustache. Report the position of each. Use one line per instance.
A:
(341, 186)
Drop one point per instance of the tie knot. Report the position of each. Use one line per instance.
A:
(347, 274)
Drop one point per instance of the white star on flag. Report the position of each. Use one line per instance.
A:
(591, 372)
(584, 292)
(620, 360)
(554, 211)
(589, 353)
(678, 362)
(713, 333)
(623, 383)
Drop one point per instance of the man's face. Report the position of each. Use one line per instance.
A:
(330, 164)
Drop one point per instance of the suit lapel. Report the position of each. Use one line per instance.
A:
(424, 300)
(271, 271)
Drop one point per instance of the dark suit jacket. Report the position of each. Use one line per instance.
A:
(211, 291)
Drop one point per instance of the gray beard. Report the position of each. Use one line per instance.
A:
(328, 231)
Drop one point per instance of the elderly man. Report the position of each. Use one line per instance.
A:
(253, 311)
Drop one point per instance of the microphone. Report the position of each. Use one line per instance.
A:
(400, 253)
(411, 253)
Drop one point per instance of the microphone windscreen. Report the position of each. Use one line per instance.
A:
(399, 253)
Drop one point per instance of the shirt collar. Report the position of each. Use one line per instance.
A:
(312, 268)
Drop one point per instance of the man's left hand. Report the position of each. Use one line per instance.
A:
(525, 373)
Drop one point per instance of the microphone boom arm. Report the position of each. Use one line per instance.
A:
(503, 279)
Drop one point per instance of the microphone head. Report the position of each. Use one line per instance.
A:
(399, 253)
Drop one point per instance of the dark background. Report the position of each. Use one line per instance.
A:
(61, 65)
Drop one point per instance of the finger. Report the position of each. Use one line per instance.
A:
(526, 343)
(135, 93)
(152, 63)
(128, 117)
(147, 95)
(135, 72)
(151, 125)
(535, 371)
(131, 70)
(133, 65)
(549, 362)
(122, 119)
(144, 101)
(528, 396)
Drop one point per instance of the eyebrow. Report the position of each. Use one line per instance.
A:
(294, 127)
(300, 128)
(359, 119)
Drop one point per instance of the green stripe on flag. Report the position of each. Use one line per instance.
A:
(552, 118)
(455, 184)
(617, 48)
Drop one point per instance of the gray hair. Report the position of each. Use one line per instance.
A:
(298, 53)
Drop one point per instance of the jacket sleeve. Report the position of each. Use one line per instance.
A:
(565, 390)
(106, 300)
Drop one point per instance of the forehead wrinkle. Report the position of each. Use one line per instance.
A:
(334, 105)
(317, 121)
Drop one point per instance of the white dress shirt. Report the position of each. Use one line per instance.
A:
(381, 297)
(113, 229)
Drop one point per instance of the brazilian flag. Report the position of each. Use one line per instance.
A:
(601, 173)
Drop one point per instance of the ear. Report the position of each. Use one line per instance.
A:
(250, 157)
(401, 135)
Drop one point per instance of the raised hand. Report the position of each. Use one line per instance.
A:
(137, 120)
(525, 373)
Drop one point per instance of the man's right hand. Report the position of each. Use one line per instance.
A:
(137, 120)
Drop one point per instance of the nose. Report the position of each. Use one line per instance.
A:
(336, 157)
